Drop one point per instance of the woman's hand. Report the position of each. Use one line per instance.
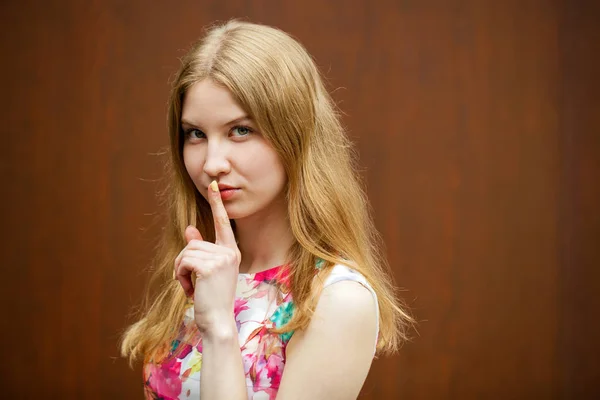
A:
(216, 266)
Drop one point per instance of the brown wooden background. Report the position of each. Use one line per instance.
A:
(478, 127)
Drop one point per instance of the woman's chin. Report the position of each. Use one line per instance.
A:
(234, 212)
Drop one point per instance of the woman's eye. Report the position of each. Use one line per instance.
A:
(241, 131)
(194, 134)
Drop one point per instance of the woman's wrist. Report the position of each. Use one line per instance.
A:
(220, 331)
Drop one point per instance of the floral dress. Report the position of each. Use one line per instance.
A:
(262, 302)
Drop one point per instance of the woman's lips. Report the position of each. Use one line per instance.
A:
(228, 193)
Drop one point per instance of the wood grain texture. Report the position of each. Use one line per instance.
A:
(579, 220)
(477, 125)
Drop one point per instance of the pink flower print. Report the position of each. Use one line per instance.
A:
(164, 379)
(240, 305)
(259, 333)
(183, 350)
(268, 372)
(267, 275)
(274, 369)
(279, 275)
(286, 275)
(260, 374)
(248, 360)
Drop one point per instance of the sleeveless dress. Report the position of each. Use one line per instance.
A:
(262, 302)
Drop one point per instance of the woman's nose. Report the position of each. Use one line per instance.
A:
(217, 159)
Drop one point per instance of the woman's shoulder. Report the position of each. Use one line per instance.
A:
(344, 273)
(347, 301)
(341, 272)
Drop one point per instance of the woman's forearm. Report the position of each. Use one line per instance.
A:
(222, 376)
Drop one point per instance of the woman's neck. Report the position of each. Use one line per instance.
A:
(264, 239)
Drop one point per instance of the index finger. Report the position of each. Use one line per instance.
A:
(223, 232)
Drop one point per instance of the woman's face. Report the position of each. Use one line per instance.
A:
(222, 143)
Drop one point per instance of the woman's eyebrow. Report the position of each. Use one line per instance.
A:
(187, 123)
(232, 122)
(238, 120)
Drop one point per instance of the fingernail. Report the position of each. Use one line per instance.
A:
(214, 186)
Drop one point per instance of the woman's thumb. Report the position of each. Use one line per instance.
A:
(192, 233)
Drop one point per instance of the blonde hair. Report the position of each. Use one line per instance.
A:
(275, 80)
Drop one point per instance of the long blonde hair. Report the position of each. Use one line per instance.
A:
(275, 80)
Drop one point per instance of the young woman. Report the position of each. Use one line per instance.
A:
(280, 290)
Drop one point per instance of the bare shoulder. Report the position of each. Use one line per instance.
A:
(332, 357)
(345, 302)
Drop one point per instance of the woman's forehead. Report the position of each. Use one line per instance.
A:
(206, 103)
